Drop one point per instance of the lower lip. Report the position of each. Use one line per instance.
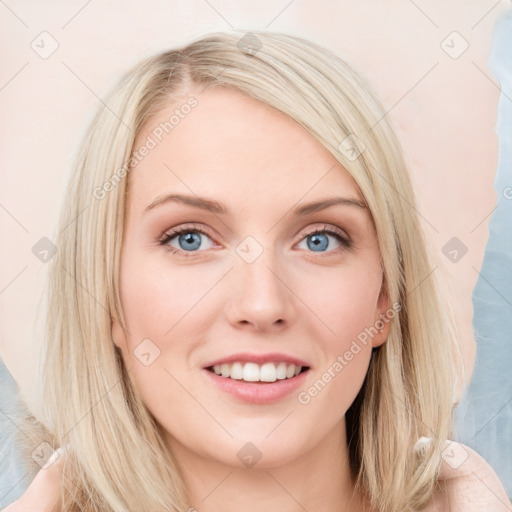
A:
(257, 392)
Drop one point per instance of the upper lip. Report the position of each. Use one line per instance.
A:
(246, 357)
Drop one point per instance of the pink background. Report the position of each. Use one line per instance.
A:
(444, 107)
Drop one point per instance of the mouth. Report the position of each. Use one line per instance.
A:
(265, 373)
(257, 379)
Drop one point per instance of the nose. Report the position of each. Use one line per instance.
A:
(260, 296)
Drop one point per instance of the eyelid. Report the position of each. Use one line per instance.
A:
(186, 227)
(328, 227)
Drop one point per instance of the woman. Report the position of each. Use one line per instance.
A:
(242, 311)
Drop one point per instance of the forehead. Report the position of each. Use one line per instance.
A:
(233, 146)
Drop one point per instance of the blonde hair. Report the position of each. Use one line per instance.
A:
(116, 459)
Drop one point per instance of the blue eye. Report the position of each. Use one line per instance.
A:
(189, 240)
(318, 240)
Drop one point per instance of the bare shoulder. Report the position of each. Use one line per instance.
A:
(467, 483)
(43, 493)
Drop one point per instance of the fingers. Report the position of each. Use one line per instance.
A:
(43, 493)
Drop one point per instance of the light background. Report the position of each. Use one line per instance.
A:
(484, 416)
(444, 105)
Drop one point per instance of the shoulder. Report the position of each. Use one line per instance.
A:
(466, 482)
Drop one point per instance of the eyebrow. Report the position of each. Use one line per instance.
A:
(216, 207)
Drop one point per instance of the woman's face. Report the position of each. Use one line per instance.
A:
(256, 283)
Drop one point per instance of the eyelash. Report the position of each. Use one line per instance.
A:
(168, 236)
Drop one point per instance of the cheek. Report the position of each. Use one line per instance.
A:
(161, 310)
(157, 299)
(345, 301)
(345, 304)
(346, 352)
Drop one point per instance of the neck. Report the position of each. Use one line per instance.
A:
(318, 480)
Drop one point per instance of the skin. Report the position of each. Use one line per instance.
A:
(291, 299)
(473, 486)
(43, 493)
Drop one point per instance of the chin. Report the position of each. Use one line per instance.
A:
(255, 450)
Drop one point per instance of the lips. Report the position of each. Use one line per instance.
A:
(257, 378)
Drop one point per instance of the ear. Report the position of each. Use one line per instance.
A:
(383, 317)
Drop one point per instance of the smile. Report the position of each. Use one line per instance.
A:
(253, 372)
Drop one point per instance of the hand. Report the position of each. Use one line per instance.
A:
(43, 493)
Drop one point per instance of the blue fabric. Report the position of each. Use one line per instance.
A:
(13, 480)
(483, 418)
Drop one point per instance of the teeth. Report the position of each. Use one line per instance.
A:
(281, 371)
(268, 373)
(237, 371)
(252, 372)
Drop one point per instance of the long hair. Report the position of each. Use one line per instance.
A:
(115, 458)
